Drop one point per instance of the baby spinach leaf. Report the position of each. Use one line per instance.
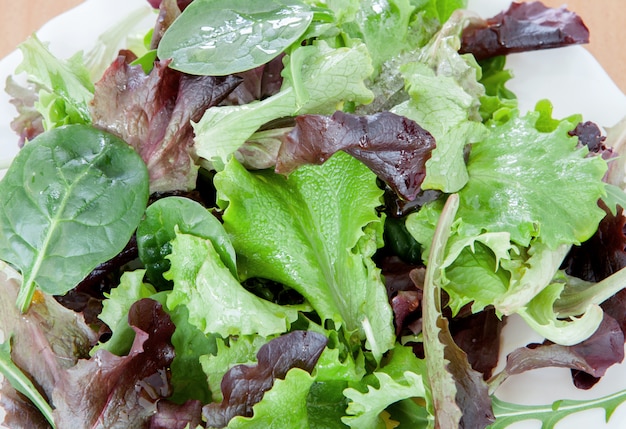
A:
(221, 37)
(157, 230)
(71, 200)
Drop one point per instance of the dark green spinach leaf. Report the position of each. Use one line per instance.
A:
(157, 230)
(221, 37)
(71, 200)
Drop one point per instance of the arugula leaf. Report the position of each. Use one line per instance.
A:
(222, 37)
(157, 229)
(22, 383)
(65, 86)
(320, 230)
(549, 415)
(317, 79)
(83, 192)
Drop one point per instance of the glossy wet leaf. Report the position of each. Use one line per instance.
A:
(71, 200)
(221, 37)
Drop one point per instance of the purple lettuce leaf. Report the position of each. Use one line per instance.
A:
(592, 356)
(258, 83)
(153, 114)
(28, 124)
(169, 10)
(182, 4)
(603, 254)
(47, 340)
(174, 416)
(20, 412)
(472, 393)
(109, 391)
(243, 386)
(523, 27)
(478, 335)
(395, 148)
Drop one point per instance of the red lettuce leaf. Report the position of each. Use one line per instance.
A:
(28, 124)
(523, 27)
(395, 148)
(604, 253)
(175, 416)
(20, 412)
(153, 114)
(110, 391)
(47, 340)
(243, 385)
(592, 356)
(257, 83)
(478, 335)
(182, 4)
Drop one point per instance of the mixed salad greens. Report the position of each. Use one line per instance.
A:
(300, 213)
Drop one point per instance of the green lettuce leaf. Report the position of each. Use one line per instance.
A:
(215, 299)
(440, 105)
(228, 353)
(522, 181)
(115, 310)
(283, 406)
(157, 229)
(319, 231)
(364, 409)
(317, 79)
(66, 87)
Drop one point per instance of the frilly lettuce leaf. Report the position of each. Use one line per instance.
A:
(441, 105)
(214, 298)
(516, 221)
(244, 386)
(522, 181)
(157, 229)
(65, 86)
(238, 350)
(364, 409)
(115, 311)
(320, 230)
(283, 406)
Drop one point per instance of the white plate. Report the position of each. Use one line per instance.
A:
(569, 77)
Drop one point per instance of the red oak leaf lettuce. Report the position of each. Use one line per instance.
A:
(109, 391)
(153, 113)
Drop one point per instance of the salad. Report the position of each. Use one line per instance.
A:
(303, 214)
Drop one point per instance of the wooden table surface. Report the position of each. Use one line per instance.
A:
(606, 20)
